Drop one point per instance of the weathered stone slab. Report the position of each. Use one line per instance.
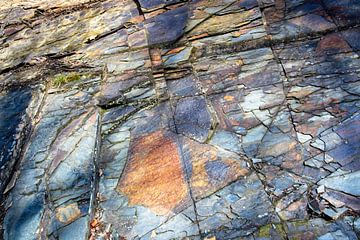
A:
(237, 210)
(347, 183)
(209, 169)
(226, 119)
(154, 4)
(344, 12)
(167, 27)
(249, 69)
(183, 87)
(153, 177)
(59, 164)
(323, 71)
(193, 119)
(32, 43)
(352, 36)
(141, 196)
(313, 23)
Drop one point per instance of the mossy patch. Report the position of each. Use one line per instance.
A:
(62, 79)
(265, 231)
(103, 111)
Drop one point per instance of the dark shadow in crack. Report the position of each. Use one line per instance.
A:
(12, 113)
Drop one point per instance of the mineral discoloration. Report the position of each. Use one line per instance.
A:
(225, 119)
(153, 176)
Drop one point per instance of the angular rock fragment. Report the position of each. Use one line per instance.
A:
(193, 118)
(347, 183)
(167, 27)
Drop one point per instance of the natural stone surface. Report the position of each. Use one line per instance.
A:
(13, 105)
(153, 176)
(345, 183)
(192, 118)
(167, 27)
(238, 210)
(58, 162)
(139, 119)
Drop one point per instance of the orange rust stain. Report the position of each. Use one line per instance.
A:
(175, 50)
(198, 36)
(202, 184)
(154, 13)
(154, 177)
(229, 98)
(155, 56)
(200, 177)
(94, 223)
(137, 19)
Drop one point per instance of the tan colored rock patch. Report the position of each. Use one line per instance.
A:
(212, 169)
(154, 176)
(68, 213)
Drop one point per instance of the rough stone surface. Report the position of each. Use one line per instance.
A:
(139, 119)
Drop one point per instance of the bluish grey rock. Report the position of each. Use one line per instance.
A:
(348, 183)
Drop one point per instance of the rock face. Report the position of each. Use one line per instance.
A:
(12, 107)
(139, 119)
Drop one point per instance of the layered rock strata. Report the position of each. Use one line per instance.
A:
(136, 119)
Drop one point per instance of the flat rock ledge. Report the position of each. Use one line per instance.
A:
(175, 119)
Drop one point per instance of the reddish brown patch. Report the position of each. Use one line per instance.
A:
(275, 13)
(154, 177)
(222, 120)
(198, 36)
(155, 55)
(332, 44)
(154, 13)
(137, 19)
(175, 50)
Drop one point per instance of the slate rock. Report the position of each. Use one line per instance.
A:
(347, 183)
(167, 27)
(192, 118)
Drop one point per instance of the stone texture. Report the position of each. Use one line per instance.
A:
(59, 164)
(13, 105)
(193, 119)
(235, 211)
(167, 27)
(224, 119)
(209, 168)
(153, 176)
